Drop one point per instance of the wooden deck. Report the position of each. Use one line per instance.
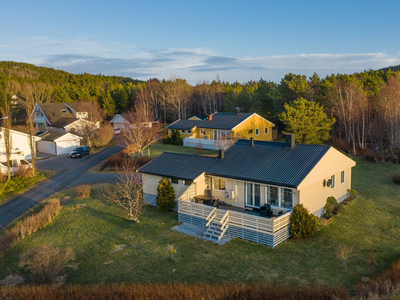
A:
(267, 231)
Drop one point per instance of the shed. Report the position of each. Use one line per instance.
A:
(58, 142)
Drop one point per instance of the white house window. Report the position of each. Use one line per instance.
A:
(219, 184)
(273, 195)
(183, 131)
(174, 180)
(38, 114)
(253, 194)
(287, 198)
(333, 178)
(257, 131)
(203, 131)
(266, 130)
(342, 177)
(189, 131)
(188, 182)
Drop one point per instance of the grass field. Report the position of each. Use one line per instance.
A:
(23, 185)
(110, 248)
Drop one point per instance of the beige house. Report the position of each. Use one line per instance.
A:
(251, 177)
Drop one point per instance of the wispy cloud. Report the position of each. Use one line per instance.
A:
(82, 54)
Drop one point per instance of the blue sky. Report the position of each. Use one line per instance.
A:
(196, 40)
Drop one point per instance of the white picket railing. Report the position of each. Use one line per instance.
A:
(199, 143)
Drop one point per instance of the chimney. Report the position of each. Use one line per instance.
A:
(251, 142)
(221, 154)
(237, 110)
(209, 117)
(290, 141)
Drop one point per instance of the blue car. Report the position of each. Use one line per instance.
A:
(80, 152)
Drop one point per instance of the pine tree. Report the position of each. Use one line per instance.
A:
(165, 195)
(303, 224)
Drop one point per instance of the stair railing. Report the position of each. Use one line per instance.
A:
(211, 216)
(224, 224)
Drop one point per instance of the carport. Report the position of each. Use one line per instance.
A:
(58, 143)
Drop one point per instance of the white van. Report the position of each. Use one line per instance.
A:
(17, 161)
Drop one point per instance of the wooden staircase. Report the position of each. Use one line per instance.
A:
(216, 229)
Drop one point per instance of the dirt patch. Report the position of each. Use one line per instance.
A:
(118, 248)
(12, 280)
(108, 262)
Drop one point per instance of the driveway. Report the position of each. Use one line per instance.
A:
(71, 172)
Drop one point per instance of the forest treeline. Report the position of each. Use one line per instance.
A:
(366, 105)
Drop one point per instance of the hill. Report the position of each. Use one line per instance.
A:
(392, 68)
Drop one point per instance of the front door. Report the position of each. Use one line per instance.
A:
(253, 194)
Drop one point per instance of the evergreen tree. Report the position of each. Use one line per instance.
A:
(165, 195)
(303, 224)
(307, 120)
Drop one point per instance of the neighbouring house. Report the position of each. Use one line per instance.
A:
(122, 122)
(65, 117)
(250, 190)
(57, 143)
(209, 132)
(20, 143)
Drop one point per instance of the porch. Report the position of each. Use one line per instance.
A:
(199, 143)
(234, 222)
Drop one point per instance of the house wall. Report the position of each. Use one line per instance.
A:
(120, 122)
(20, 143)
(252, 123)
(314, 196)
(150, 184)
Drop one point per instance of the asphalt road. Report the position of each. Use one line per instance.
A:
(71, 172)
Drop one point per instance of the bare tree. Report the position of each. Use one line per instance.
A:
(227, 141)
(343, 253)
(127, 193)
(7, 115)
(176, 93)
(140, 133)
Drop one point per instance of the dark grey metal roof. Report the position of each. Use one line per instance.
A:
(265, 162)
(224, 121)
(52, 135)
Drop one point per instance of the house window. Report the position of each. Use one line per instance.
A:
(266, 130)
(253, 194)
(203, 131)
(188, 182)
(38, 114)
(189, 131)
(219, 184)
(287, 198)
(174, 180)
(342, 177)
(183, 131)
(257, 131)
(170, 130)
(333, 178)
(273, 195)
(64, 111)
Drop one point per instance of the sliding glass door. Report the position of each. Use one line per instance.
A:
(253, 194)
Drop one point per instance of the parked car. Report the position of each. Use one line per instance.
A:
(17, 162)
(80, 151)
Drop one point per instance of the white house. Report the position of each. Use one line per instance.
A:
(57, 143)
(63, 117)
(122, 122)
(19, 141)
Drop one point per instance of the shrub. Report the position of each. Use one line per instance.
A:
(329, 207)
(166, 140)
(45, 263)
(118, 160)
(25, 172)
(165, 195)
(29, 225)
(337, 208)
(369, 155)
(103, 136)
(395, 178)
(352, 194)
(303, 224)
(83, 191)
(178, 139)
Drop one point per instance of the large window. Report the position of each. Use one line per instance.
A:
(219, 184)
(333, 178)
(273, 195)
(253, 194)
(287, 198)
(342, 177)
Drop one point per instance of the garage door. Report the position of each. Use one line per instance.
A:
(65, 147)
(46, 147)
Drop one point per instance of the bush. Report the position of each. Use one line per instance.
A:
(352, 194)
(165, 195)
(178, 139)
(118, 160)
(166, 140)
(369, 155)
(395, 178)
(329, 207)
(29, 225)
(45, 264)
(303, 224)
(83, 191)
(103, 136)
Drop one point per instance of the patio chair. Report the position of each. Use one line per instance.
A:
(216, 203)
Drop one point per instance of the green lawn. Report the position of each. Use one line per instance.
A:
(159, 148)
(110, 248)
(21, 185)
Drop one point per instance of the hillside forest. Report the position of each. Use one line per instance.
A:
(366, 105)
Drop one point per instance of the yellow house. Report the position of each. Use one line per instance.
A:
(219, 126)
(250, 190)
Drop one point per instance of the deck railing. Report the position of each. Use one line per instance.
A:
(199, 143)
(233, 218)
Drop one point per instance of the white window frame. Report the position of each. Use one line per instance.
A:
(213, 181)
(184, 182)
(267, 194)
(203, 131)
(182, 131)
(282, 195)
(266, 130)
(189, 131)
(174, 182)
(333, 178)
(253, 193)
(257, 131)
(342, 177)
